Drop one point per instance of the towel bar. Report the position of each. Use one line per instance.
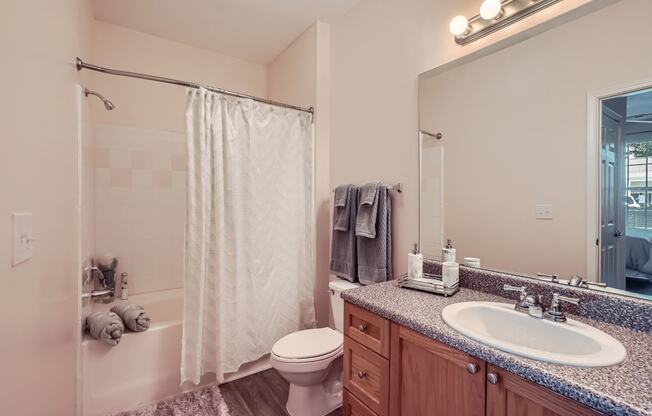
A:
(397, 187)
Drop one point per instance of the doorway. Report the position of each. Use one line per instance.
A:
(626, 192)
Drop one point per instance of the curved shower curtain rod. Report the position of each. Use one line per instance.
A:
(83, 65)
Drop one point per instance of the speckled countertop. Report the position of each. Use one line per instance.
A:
(624, 389)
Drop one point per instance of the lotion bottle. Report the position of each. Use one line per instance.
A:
(415, 263)
(448, 252)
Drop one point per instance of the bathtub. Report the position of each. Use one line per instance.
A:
(145, 366)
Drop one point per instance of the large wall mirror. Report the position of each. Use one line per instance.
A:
(544, 164)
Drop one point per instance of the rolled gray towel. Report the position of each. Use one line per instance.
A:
(133, 316)
(105, 326)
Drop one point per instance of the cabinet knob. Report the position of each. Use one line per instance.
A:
(472, 368)
(362, 328)
(362, 374)
(492, 378)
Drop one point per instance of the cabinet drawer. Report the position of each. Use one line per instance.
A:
(366, 375)
(354, 407)
(368, 329)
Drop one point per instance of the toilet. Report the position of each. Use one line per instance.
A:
(311, 361)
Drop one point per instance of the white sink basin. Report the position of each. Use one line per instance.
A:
(499, 325)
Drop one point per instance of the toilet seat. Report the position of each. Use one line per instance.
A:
(308, 346)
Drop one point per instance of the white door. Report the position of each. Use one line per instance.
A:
(612, 216)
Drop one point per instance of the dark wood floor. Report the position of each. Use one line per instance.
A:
(261, 394)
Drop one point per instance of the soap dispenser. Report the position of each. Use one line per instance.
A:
(415, 263)
(448, 252)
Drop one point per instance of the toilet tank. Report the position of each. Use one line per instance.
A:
(337, 304)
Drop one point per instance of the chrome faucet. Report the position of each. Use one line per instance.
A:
(107, 292)
(555, 313)
(529, 304)
(579, 281)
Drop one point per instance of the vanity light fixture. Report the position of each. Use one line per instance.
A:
(494, 15)
(459, 26)
(491, 9)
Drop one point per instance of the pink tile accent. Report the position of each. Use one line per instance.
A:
(141, 159)
(120, 178)
(178, 162)
(101, 158)
(161, 179)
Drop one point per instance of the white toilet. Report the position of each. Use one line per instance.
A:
(311, 361)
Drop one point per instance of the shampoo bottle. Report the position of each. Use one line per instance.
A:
(415, 263)
(124, 286)
(448, 252)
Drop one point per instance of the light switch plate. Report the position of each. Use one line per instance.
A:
(544, 211)
(23, 239)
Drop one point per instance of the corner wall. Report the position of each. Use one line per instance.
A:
(300, 75)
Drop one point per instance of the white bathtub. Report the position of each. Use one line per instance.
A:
(144, 366)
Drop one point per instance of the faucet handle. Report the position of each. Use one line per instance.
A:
(556, 313)
(553, 277)
(559, 298)
(521, 289)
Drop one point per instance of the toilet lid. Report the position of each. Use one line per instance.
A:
(308, 343)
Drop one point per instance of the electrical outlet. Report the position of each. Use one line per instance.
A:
(544, 212)
(23, 239)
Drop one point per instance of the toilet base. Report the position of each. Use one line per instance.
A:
(312, 400)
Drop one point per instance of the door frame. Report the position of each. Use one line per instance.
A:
(593, 146)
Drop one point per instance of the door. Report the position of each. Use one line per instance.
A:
(612, 212)
(428, 378)
(511, 395)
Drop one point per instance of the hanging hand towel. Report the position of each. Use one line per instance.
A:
(365, 223)
(342, 215)
(375, 254)
(343, 244)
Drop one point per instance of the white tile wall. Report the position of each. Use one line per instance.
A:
(140, 194)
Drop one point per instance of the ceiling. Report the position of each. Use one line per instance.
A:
(255, 30)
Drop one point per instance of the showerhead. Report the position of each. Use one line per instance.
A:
(107, 104)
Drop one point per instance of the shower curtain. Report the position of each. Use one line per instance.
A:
(249, 274)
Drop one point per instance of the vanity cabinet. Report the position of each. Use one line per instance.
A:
(390, 370)
(509, 394)
(430, 378)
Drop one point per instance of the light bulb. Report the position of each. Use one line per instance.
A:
(459, 25)
(490, 9)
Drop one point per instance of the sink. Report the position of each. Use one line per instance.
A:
(499, 325)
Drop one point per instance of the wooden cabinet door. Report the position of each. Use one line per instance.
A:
(511, 395)
(354, 407)
(428, 378)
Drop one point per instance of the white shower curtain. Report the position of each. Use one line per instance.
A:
(249, 248)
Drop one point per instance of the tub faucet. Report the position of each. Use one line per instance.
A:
(106, 293)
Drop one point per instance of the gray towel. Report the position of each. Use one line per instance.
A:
(344, 262)
(365, 223)
(342, 216)
(375, 254)
(133, 316)
(105, 326)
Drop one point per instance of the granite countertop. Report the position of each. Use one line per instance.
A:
(624, 389)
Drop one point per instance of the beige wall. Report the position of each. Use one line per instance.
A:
(515, 134)
(300, 75)
(378, 50)
(139, 155)
(153, 105)
(38, 173)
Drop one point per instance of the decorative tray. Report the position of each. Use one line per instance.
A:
(431, 283)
